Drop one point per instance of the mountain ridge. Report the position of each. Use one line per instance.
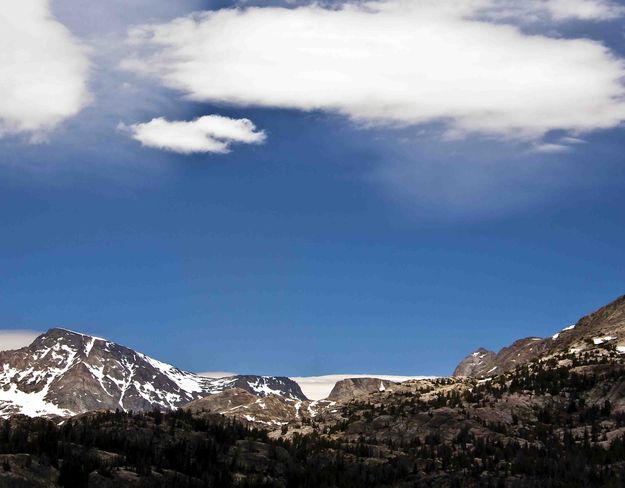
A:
(64, 373)
(556, 418)
(606, 324)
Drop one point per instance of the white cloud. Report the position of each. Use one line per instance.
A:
(319, 387)
(583, 9)
(208, 134)
(15, 339)
(572, 140)
(551, 148)
(44, 69)
(395, 61)
(555, 10)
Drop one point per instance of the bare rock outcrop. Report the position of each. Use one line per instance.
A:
(475, 363)
(269, 411)
(358, 387)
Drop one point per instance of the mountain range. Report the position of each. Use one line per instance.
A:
(540, 412)
(64, 373)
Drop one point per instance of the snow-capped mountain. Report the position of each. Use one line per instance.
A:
(66, 373)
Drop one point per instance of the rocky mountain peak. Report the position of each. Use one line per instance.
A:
(475, 363)
(64, 373)
(52, 336)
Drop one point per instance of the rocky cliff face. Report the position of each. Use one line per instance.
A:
(358, 387)
(476, 363)
(66, 373)
(488, 363)
(605, 326)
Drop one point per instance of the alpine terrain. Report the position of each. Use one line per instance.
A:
(606, 326)
(544, 412)
(64, 373)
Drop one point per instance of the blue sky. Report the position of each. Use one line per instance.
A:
(360, 221)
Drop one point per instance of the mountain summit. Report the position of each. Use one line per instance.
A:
(65, 373)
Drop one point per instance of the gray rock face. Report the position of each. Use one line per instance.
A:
(475, 363)
(66, 373)
(487, 363)
(484, 363)
(357, 387)
(520, 352)
(271, 411)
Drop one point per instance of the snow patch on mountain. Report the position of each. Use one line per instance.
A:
(189, 382)
(13, 400)
(601, 340)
